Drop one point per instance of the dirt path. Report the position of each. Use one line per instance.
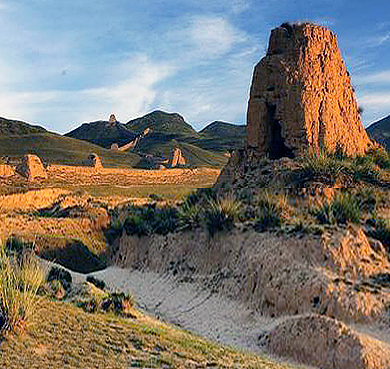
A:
(190, 307)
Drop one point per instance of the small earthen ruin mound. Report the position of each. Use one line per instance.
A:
(6, 170)
(95, 161)
(327, 343)
(32, 168)
(176, 159)
(301, 96)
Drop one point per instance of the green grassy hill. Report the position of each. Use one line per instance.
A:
(380, 131)
(56, 149)
(14, 127)
(221, 137)
(103, 133)
(161, 122)
(162, 145)
(64, 336)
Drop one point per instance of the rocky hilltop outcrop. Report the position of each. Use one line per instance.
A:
(301, 96)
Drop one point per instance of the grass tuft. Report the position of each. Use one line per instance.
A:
(381, 231)
(20, 279)
(271, 209)
(343, 208)
(221, 213)
(322, 166)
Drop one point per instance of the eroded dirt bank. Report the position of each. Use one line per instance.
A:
(264, 290)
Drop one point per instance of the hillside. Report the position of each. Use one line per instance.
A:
(56, 149)
(64, 336)
(380, 131)
(161, 122)
(161, 145)
(219, 129)
(221, 136)
(211, 142)
(103, 133)
(14, 127)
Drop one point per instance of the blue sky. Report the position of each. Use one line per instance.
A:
(71, 61)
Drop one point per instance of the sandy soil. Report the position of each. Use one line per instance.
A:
(190, 306)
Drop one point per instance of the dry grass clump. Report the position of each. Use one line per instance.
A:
(344, 207)
(271, 210)
(20, 279)
(322, 166)
(31, 200)
(221, 213)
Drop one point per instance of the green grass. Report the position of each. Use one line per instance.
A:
(56, 149)
(20, 279)
(162, 145)
(167, 192)
(221, 213)
(270, 209)
(343, 208)
(64, 336)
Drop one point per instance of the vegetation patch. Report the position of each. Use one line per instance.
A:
(380, 230)
(221, 214)
(20, 279)
(343, 208)
(271, 209)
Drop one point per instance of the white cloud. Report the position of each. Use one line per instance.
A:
(374, 78)
(199, 39)
(214, 36)
(133, 94)
(375, 99)
(375, 41)
(239, 6)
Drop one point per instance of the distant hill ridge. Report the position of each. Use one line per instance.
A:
(204, 148)
(19, 138)
(222, 129)
(217, 136)
(380, 131)
(159, 121)
(103, 133)
(10, 127)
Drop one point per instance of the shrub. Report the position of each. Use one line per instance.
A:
(20, 279)
(136, 225)
(96, 282)
(17, 246)
(322, 166)
(190, 215)
(166, 220)
(368, 198)
(155, 197)
(379, 156)
(56, 289)
(119, 303)
(113, 232)
(201, 195)
(381, 231)
(300, 227)
(365, 170)
(341, 209)
(147, 220)
(62, 275)
(221, 213)
(270, 210)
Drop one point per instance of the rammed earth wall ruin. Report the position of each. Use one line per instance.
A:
(301, 96)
